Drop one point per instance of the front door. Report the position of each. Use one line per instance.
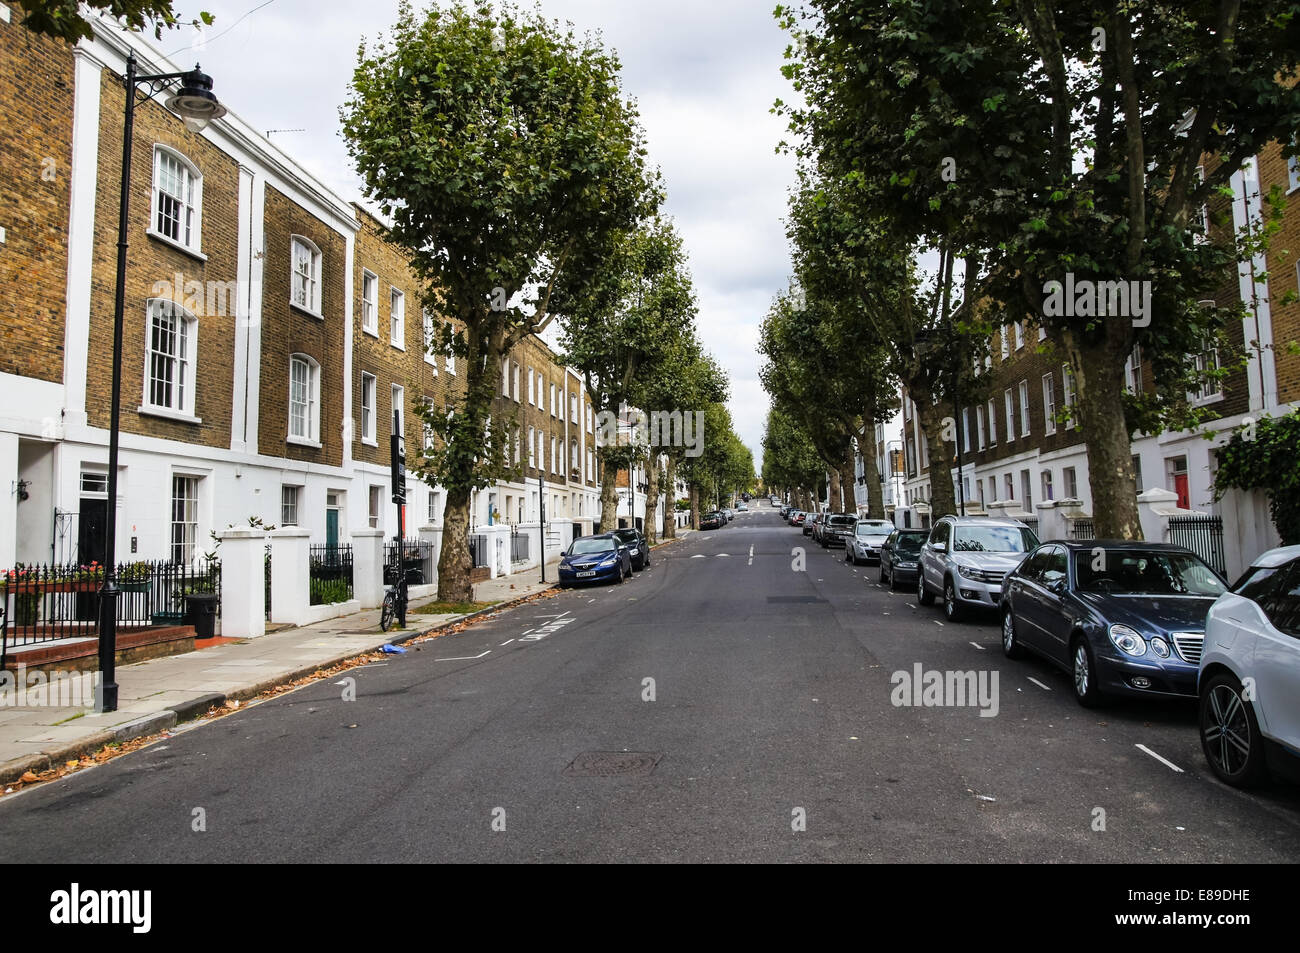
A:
(92, 546)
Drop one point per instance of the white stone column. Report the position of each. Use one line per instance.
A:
(433, 536)
(1049, 527)
(290, 574)
(1153, 507)
(368, 567)
(243, 583)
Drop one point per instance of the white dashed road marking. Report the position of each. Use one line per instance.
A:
(463, 658)
(1165, 761)
(1040, 684)
(978, 646)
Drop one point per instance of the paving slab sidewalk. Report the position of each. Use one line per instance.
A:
(156, 695)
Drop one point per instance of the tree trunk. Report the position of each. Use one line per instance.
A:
(695, 506)
(609, 489)
(670, 503)
(848, 483)
(871, 473)
(943, 501)
(836, 507)
(454, 559)
(651, 500)
(1099, 397)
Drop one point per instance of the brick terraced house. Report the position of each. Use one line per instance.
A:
(1023, 456)
(270, 333)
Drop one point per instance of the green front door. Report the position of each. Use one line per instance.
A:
(332, 529)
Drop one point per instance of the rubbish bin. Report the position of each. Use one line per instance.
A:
(201, 612)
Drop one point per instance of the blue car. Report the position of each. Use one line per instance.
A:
(1121, 618)
(600, 558)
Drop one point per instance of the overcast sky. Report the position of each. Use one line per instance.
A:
(704, 72)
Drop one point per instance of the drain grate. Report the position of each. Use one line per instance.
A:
(611, 764)
(797, 599)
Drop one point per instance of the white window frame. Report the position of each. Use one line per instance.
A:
(979, 424)
(374, 504)
(181, 359)
(1020, 334)
(369, 412)
(1049, 404)
(397, 317)
(184, 546)
(532, 448)
(1009, 403)
(189, 220)
(369, 303)
(1070, 482)
(311, 291)
(1067, 388)
(1210, 390)
(398, 397)
(1293, 170)
(1133, 371)
(290, 499)
(310, 416)
(426, 319)
(1025, 429)
(1009, 482)
(1045, 487)
(993, 423)
(1005, 335)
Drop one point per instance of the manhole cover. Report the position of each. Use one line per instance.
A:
(799, 599)
(609, 764)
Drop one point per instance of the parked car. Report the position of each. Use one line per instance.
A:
(713, 520)
(1123, 618)
(742, 507)
(1252, 637)
(868, 537)
(600, 558)
(810, 525)
(837, 530)
(637, 547)
(900, 555)
(729, 513)
(798, 518)
(966, 559)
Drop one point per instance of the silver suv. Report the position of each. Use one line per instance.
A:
(967, 558)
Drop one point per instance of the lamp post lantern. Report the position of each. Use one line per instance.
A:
(196, 105)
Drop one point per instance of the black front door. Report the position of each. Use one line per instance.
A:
(92, 546)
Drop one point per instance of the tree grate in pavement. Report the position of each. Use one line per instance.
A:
(798, 599)
(609, 764)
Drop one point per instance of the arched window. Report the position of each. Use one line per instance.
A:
(171, 345)
(177, 198)
(305, 277)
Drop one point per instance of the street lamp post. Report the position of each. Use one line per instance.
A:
(195, 104)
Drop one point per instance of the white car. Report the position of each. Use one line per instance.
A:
(868, 536)
(1249, 678)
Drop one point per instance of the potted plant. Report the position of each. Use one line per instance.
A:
(135, 577)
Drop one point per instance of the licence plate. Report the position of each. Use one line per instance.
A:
(589, 572)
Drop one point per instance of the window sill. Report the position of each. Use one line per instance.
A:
(295, 306)
(394, 344)
(303, 442)
(1204, 401)
(179, 246)
(372, 333)
(169, 414)
(370, 442)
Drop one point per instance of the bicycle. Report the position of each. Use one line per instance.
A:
(395, 599)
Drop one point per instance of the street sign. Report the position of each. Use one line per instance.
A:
(397, 471)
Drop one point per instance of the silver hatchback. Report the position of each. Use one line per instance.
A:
(966, 560)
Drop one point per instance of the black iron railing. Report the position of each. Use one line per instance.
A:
(46, 603)
(1081, 529)
(478, 552)
(330, 573)
(518, 546)
(417, 559)
(1203, 535)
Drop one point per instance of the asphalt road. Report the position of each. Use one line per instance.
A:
(770, 710)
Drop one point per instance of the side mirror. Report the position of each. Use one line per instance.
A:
(939, 547)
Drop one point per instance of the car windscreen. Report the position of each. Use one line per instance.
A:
(873, 529)
(909, 542)
(1138, 573)
(841, 521)
(592, 544)
(993, 539)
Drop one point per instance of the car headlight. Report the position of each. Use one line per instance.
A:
(1160, 647)
(1128, 640)
(609, 560)
(968, 572)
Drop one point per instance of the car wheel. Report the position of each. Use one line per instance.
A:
(1230, 734)
(1084, 670)
(893, 580)
(1011, 647)
(882, 570)
(923, 595)
(951, 608)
